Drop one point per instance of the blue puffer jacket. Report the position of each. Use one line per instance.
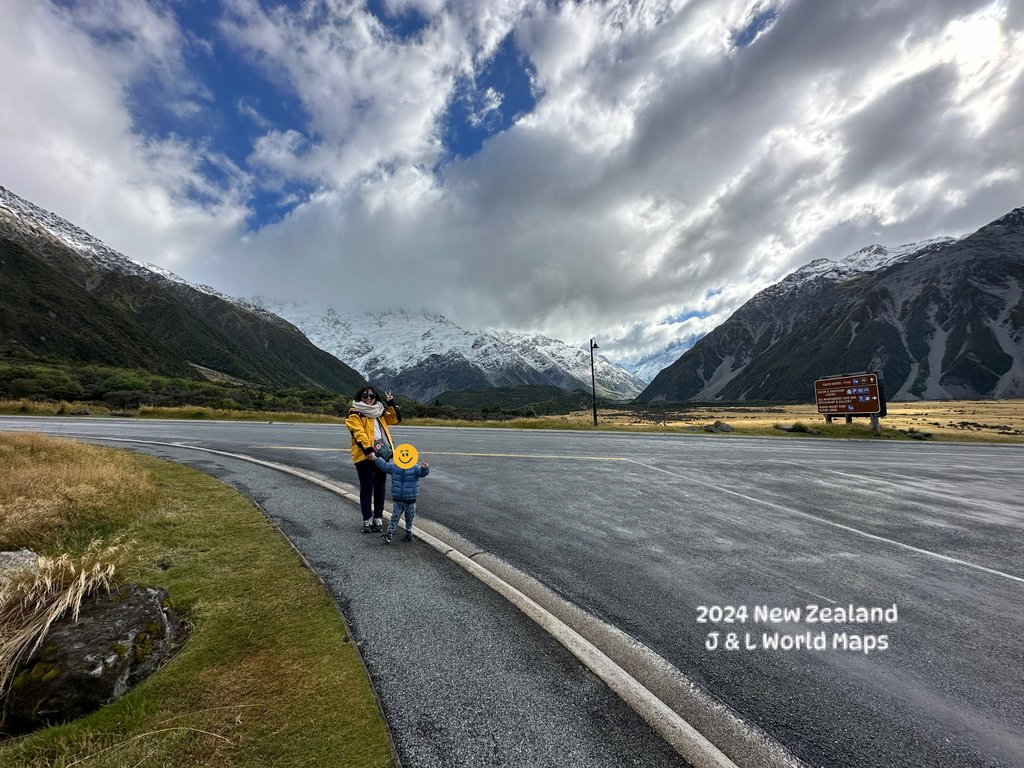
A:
(405, 483)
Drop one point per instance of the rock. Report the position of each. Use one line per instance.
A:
(119, 639)
(710, 428)
(723, 427)
(16, 561)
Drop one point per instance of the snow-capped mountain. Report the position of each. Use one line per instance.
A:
(941, 319)
(869, 259)
(69, 295)
(423, 354)
(646, 368)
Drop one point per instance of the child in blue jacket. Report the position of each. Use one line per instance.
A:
(405, 487)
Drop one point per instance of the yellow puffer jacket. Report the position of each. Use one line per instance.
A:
(361, 429)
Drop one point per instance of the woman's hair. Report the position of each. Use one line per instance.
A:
(361, 390)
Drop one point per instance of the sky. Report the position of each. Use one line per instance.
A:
(627, 171)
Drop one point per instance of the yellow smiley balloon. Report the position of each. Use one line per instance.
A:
(406, 456)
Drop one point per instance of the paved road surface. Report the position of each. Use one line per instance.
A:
(641, 530)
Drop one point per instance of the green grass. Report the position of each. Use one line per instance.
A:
(267, 676)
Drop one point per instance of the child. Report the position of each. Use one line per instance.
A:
(405, 487)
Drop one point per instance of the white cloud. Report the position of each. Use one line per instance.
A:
(661, 165)
(70, 144)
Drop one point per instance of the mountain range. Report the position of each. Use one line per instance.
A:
(68, 295)
(71, 296)
(940, 319)
(423, 354)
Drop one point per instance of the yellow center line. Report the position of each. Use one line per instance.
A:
(457, 453)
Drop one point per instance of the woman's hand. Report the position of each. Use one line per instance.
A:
(388, 396)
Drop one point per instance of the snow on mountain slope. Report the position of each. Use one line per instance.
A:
(191, 327)
(424, 353)
(869, 259)
(939, 319)
(650, 366)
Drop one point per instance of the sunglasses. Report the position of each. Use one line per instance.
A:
(368, 396)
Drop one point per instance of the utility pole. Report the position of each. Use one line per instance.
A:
(593, 381)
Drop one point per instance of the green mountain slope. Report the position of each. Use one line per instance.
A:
(155, 322)
(44, 311)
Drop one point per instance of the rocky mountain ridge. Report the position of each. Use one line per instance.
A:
(941, 319)
(72, 296)
(423, 354)
(144, 316)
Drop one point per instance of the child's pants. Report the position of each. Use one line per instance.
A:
(408, 508)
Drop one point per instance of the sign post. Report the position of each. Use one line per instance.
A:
(851, 395)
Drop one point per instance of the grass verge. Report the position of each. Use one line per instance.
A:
(742, 419)
(268, 675)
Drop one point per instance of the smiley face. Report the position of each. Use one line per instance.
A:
(406, 456)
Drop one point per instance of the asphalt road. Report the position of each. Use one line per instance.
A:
(642, 530)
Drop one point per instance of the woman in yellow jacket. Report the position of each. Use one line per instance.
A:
(367, 422)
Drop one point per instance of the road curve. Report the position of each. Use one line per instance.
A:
(642, 530)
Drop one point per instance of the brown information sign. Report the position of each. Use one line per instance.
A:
(855, 394)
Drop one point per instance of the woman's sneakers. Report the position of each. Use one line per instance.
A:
(378, 523)
(367, 527)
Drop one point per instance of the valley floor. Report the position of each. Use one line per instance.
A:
(995, 420)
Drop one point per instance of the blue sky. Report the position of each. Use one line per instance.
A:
(631, 171)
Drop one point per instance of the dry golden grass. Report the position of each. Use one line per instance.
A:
(32, 599)
(26, 407)
(48, 485)
(990, 420)
(268, 675)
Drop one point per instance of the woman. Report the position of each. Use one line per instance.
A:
(367, 422)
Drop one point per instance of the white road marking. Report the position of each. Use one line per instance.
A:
(682, 736)
(858, 532)
(815, 594)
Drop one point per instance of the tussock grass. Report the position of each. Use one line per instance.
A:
(55, 493)
(268, 675)
(199, 413)
(31, 599)
(189, 412)
(999, 421)
(25, 407)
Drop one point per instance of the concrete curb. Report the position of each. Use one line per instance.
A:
(662, 695)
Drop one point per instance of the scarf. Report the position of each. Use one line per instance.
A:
(374, 411)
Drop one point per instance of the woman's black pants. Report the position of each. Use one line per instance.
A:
(371, 489)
